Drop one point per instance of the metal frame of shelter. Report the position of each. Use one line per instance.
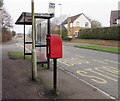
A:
(26, 19)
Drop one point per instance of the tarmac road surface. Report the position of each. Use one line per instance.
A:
(99, 69)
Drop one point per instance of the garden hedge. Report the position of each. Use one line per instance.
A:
(106, 33)
(6, 35)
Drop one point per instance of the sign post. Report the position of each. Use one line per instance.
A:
(51, 9)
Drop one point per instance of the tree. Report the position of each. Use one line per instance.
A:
(6, 19)
(1, 3)
(58, 20)
(13, 33)
(95, 23)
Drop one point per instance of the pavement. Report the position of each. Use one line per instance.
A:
(68, 86)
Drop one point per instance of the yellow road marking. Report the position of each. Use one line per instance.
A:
(100, 74)
(100, 61)
(98, 69)
(112, 61)
(73, 61)
(110, 70)
(64, 62)
(80, 56)
(93, 78)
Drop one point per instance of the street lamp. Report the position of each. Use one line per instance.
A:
(60, 19)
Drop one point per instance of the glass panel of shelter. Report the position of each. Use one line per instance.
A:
(41, 31)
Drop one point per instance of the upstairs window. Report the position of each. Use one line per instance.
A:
(77, 23)
(115, 21)
(118, 21)
(86, 24)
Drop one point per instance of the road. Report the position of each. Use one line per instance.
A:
(98, 69)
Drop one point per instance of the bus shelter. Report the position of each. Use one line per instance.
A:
(26, 19)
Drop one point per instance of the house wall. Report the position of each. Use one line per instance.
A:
(74, 29)
(56, 28)
(66, 25)
(112, 24)
(82, 20)
(77, 25)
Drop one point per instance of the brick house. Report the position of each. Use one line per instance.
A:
(115, 18)
(57, 27)
(75, 23)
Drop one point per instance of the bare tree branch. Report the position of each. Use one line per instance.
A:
(95, 23)
(6, 19)
(1, 3)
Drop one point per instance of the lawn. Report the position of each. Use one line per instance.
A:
(107, 49)
(19, 55)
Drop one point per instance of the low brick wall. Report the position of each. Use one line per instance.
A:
(6, 37)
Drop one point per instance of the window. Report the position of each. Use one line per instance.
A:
(86, 24)
(77, 23)
(118, 21)
(115, 21)
(77, 33)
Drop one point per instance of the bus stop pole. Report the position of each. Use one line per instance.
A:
(34, 59)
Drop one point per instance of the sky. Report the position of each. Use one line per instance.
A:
(95, 9)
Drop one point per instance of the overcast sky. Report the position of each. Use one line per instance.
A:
(95, 9)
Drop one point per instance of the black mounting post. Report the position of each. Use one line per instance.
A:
(55, 76)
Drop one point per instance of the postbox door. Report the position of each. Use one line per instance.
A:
(54, 42)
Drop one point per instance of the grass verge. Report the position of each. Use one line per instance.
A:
(106, 49)
(96, 42)
(19, 55)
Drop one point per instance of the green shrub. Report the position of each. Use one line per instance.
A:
(107, 33)
(67, 38)
(6, 35)
(64, 33)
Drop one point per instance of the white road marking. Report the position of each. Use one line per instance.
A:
(28, 50)
(17, 44)
(25, 48)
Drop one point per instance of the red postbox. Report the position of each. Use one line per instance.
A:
(54, 46)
